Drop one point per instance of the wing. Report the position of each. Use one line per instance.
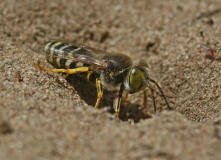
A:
(86, 55)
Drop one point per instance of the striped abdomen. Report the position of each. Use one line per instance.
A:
(61, 55)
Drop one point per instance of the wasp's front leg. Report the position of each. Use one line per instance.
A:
(118, 101)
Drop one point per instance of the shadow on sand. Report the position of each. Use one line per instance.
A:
(88, 92)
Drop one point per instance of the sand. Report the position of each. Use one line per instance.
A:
(45, 116)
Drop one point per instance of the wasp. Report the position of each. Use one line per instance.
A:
(111, 70)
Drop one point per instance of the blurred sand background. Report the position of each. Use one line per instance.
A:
(48, 116)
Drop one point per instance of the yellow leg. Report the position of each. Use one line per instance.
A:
(89, 75)
(124, 98)
(99, 92)
(68, 71)
(117, 113)
(116, 106)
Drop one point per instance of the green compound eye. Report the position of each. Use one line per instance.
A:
(136, 79)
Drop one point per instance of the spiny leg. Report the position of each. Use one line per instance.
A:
(99, 92)
(118, 101)
(68, 71)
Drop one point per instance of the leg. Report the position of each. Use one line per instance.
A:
(118, 101)
(153, 98)
(124, 98)
(89, 75)
(99, 92)
(145, 98)
(68, 71)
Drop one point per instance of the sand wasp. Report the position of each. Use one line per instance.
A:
(111, 70)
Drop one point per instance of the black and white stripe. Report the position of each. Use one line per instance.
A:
(57, 54)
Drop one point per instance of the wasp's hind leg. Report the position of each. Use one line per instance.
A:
(68, 71)
(99, 92)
